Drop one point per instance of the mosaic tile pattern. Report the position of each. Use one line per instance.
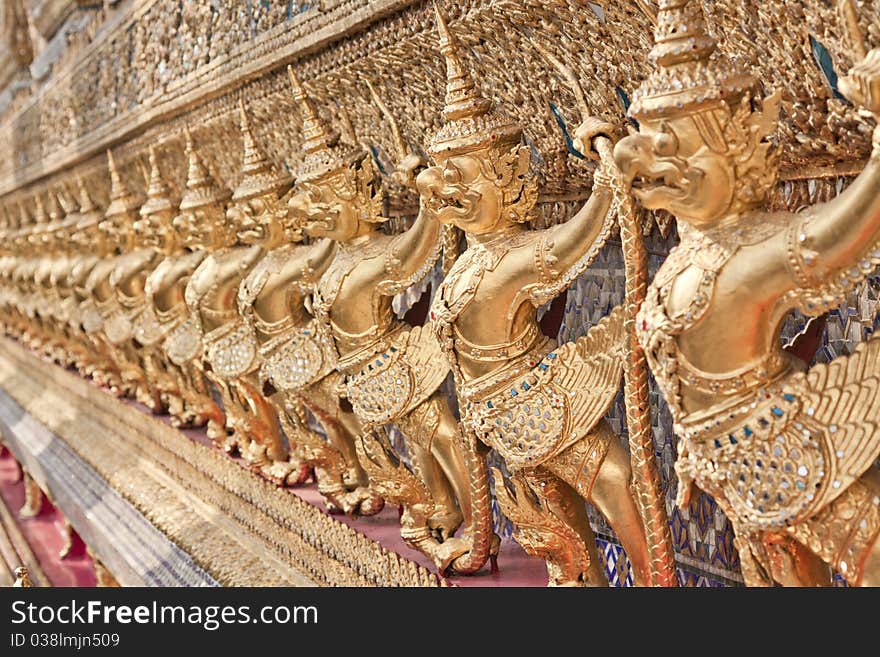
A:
(615, 562)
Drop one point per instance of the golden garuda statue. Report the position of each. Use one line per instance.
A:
(7, 263)
(30, 275)
(539, 405)
(201, 229)
(69, 350)
(391, 372)
(157, 241)
(231, 350)
(198, 228)
(51, 245)
(18, 276)
(93, 251)
(115, 287)
(788, 454)
(190, 402)
(297, 363)
(15, 275)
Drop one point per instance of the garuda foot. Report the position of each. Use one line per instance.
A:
(300, 474)
(175, 407)
(557, 577)
(287, 473)
(216, 431)
(480, 550)
(150, 399)
(360, 502)
(121, 390)
(227, 440)
(446, 553)
(442, 554)
(370, 503)
(444, 523)
(188, 419)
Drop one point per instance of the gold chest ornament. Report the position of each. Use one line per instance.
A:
(396, 369)
(295, 357)
(92, 321)
(537, 403)
(118, 328)
(232, 347)
(232, 350)
(782, 448)
(302, 360)
(184, 342)
(147, 329)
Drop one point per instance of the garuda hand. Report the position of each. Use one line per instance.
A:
(408, 169)
(587, 131)
(862, 84)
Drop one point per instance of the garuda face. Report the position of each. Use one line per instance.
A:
(479, 191)
(116, 229)
(673, 168)
(148, 231)
(335, 205)
(252, 218)
(199, 227)
(193, 227)
(703, 166)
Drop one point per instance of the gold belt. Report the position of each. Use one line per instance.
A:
(355, 361)
(224, 314)
(176, 313)
(499, 352)
(769, 369)
(478, 389)
(277, 332)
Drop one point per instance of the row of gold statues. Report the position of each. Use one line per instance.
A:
(278, 297)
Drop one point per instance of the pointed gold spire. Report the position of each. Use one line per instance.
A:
(201, 189)
(89, 214)
(323, 152)
(24, 217)
(258, 176)
(157, 192)
(41, 221)
(40, 215)
(72, 215)
(471, 119)
(66, 201)
(316, 134)
(463, 98)
(55, 211)
(690, 75)
(122, 201)
(86, 205)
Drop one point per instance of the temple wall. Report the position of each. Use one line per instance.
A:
(78, 78)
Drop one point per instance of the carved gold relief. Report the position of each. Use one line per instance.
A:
(273, 314)
(784, 451)
(391, 373)
(540, 407)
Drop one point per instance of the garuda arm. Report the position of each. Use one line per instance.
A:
(566, 251)
(411, 255)
(833, 246)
